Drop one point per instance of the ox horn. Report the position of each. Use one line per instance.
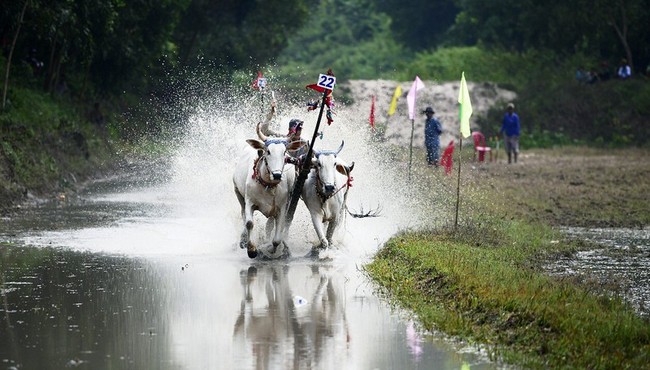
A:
(260, 134)
(340, 147)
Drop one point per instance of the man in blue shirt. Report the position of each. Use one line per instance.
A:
(432, 131)
(624, 71)
(510, 127)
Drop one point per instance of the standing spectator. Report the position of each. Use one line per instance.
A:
(432, 131)
(624, 71)
(510, 127)
(581, 75)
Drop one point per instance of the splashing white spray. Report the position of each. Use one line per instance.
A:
(215, 136)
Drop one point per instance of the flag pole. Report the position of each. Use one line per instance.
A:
(411, 146)
(464, 114)
(262, 101)
(305, 168)
(415, 95)
(460, 154)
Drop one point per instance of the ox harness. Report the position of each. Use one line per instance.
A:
(258, 177)
(268, 185)
(319, 185)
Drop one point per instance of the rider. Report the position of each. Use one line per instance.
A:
(295, 130)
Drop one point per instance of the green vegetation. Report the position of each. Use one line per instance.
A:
(484, 282)
(47, 146)
(488, 292)
(502, 42)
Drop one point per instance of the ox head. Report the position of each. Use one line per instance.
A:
(327, 164)
(273, 152)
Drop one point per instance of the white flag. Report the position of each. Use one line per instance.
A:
(411, 96)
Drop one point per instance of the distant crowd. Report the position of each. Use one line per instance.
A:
(622, 72)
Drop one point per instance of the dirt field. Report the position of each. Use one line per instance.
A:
(562, 187)
(573, 186)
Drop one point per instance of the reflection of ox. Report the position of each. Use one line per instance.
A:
(282, 330)
(262, 184)
(325, 193)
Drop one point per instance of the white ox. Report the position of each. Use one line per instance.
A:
(263, 184)
(325, 193)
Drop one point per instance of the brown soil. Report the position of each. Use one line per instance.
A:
(572, 186)
(560, 187)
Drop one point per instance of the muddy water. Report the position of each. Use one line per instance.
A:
(127, 281)
(145, 272)
(621, 266)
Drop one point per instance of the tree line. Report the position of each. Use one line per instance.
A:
(111, 46)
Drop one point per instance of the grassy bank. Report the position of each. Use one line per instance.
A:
(484, 283)
(489, 294)
(49, 146)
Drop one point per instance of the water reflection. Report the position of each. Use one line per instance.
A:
(622, 264)
(64, 309)
(414, 341)
(77, 309)
(291, 331)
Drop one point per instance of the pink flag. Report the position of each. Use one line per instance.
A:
(410, 97)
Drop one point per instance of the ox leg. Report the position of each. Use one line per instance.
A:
(331, 227)
(246, 234)
(280, 232)
(319, 227)
(271, 222)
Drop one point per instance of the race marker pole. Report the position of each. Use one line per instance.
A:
(411, 147)
(306, 164)
(460, 161)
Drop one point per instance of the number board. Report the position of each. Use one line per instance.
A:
(261, 82)
(326, 81)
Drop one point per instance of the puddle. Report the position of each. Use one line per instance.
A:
(623, 263)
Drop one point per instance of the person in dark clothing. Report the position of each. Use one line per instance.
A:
(432, 131)
(510, 127)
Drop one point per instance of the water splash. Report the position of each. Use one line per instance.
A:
(215, 134)
(186, 204)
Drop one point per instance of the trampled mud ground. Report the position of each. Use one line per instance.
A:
(573, 186)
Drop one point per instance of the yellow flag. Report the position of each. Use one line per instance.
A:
(393, 103)
(465, 109)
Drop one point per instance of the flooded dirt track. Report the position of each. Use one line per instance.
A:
(125, 277)
(81, 309)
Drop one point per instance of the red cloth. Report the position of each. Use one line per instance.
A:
(447, 160)
(316, 87)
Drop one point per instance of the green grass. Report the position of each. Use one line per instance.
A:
(489, 292)
(484, 282)
(47, 145)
